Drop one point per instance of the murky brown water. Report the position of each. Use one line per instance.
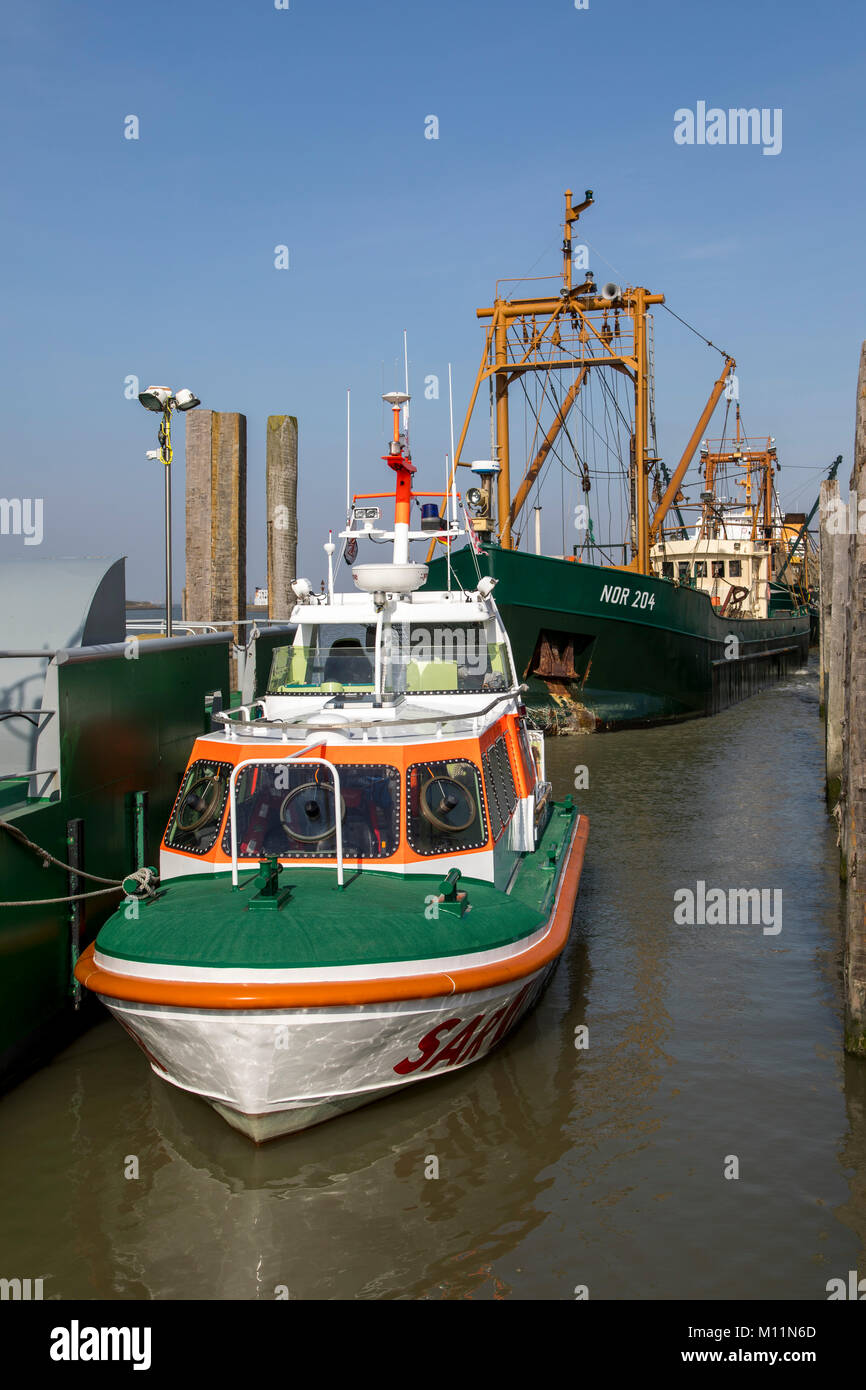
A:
(557, 1167)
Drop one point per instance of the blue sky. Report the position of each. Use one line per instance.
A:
(305, 127)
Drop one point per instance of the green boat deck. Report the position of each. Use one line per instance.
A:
(199, 921)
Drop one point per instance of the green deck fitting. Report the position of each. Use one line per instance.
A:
(199, 921)
(270, 897)
(450, 898)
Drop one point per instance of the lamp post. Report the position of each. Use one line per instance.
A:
(163, 401)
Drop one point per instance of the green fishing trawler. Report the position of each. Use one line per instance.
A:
(649, 615)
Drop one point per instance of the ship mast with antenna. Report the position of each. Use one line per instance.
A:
(579, 330)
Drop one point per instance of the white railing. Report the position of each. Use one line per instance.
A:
(277, 762)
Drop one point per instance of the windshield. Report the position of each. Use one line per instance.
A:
(435, 658)
(288, 809)
(417, 659)
(338, 658)
(198, 810)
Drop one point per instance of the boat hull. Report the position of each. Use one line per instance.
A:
(277, 1043)
(272, 1073)
(600, 648)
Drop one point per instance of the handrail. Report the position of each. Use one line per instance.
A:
(297, 722)
(338, 820)
(8, 655)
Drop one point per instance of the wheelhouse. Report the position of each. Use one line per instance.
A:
(416, 655)
(401, 804)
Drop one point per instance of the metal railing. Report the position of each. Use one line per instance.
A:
(194, 626)
(298, 722)
(277, 762)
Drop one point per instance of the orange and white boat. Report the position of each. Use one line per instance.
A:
(365, 880)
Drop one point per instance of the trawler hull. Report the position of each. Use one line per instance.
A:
(601, 648)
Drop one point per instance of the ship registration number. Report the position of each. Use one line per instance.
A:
(621, 593)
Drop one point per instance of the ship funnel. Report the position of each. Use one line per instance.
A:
(611, 290)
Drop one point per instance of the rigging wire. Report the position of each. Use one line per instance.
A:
(697, 333)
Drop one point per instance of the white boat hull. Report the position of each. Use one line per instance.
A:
(273, 1072)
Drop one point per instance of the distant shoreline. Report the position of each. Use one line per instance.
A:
(146, 603)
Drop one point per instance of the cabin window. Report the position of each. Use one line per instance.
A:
(683, 569)
(195, 818)
(735, 569)
(339, 658)
(287, 809)
(445, 807)
(667, 569)
(437, 659)
(718, 569)
(700, 569)
(499, 786)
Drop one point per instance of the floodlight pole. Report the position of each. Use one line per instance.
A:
(161, 399)
(168, 628)
(165, 453)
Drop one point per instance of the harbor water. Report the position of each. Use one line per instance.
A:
(675, 1120)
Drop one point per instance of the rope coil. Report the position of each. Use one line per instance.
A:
(146, 878)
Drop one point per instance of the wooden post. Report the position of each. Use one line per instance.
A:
(282, 521)
(825, 561)
(834, 610)
(854, 775)
(216, 516)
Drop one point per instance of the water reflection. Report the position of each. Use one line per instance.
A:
(558, 1166)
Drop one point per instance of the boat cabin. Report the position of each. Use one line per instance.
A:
(731, 568)
(402, 709)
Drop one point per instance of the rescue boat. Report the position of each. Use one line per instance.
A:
(365, 881)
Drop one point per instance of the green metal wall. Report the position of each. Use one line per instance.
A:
(126, 726)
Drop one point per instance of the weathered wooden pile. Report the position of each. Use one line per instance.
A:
(216, 515)
(843, 701)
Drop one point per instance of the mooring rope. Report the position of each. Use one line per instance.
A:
(146, 878)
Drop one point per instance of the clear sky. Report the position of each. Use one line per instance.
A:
(306, 127)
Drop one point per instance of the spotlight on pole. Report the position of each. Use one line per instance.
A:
(162, 401)
(155, 398)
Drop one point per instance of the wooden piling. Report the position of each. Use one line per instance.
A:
(825, 563)
(282, 518)
(853, 803)
(216, 516)
(834, 631)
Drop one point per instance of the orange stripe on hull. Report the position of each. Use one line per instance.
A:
(198, 995)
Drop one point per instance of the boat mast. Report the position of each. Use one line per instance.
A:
(581, 327)
(404, 468)
(575, 330)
